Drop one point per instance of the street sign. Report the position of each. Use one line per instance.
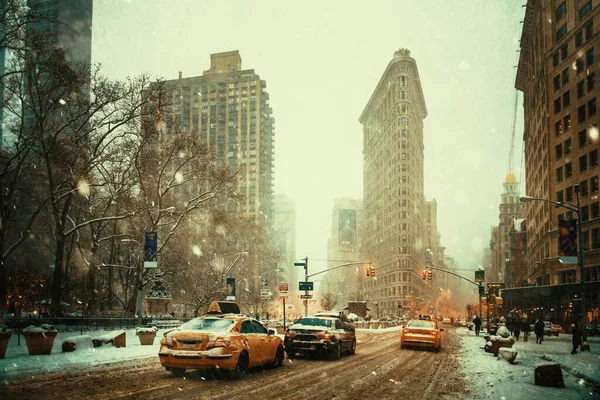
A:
(284, 297)
(306, 296)
(283, 288)
(299, 264)
(306, 285)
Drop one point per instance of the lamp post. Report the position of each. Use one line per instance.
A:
(577, 209)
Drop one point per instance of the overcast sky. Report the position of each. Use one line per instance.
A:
(321, 61)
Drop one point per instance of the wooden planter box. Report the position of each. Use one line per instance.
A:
(40, 343)
(497, 344)
(146, 338)
(4, 338)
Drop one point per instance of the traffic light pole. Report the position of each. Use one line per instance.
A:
(306, 291)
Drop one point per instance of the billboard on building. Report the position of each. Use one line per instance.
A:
(348, 236)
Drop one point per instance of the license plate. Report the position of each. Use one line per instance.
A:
(189, 345)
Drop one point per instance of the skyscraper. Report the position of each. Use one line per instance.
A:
(393, 216)
(229, 109)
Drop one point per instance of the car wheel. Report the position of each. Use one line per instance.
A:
(336, 351)
(437, 349)
(178, 372)
(279, 354)
(353, 347)
(241, 367)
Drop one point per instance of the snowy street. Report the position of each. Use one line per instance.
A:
(378, 370)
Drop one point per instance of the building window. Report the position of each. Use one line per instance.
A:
(591, 81)
(567, 99)
(564, 51)
(569, 193)
(561, 32)
(580, 89)
(583, 11)
(561, 11)
(583, 164)
(568, 170)
(579, 39)
(582, 137)
(559, 174)
(589, 29)
(556, 82)
(590, 57)
(565, 76)
(584, 188)
(404, 133)
(567, 122)
(594, 184)
(557, 105)
(555, 59)
(579, 65)
(594, 158)
(581, 114)
(558, 151)
(558, 128)
(585, 213)
(595, 208)
(567, 146)
(592, 107)
(595, 238)
(559, 195)
(404, 156)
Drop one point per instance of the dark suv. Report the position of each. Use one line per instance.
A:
(320, 335)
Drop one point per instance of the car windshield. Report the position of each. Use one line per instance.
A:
(421, 324)
(327, 323)
(207, 325)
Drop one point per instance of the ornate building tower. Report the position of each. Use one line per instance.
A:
(393, 216)
(510, 209)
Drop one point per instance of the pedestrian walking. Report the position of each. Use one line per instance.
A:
(576, 337)
(539, 331)
(477, 323)
(516, 329)
(525, 329)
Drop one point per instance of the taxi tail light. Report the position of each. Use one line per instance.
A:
(219, 342)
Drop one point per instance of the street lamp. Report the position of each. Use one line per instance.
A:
(577, 209)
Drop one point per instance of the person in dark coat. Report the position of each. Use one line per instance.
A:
(525, 328)
(516, 329)
(539, 331)
(576, 337)
(477, 323)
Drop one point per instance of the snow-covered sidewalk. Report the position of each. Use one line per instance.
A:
(494, 378)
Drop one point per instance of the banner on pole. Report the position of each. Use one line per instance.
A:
(151, 250)
(231, 289)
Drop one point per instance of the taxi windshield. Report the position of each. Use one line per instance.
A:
(207, 325)
(314, 322)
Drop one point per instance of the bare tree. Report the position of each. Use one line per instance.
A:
(329, 301)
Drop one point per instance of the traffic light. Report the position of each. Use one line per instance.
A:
(429, 275)
(369, 270)
(372, 271)
(424, 275)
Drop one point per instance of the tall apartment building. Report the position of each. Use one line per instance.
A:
(510, 209)
(393, 217)
(343, 247)
(229, 109)
(285, 241)
(558, 72)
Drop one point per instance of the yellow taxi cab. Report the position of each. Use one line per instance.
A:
(421, 333)
(223, 340)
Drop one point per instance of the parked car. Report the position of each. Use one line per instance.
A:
(421, 333)
(446, 321)
(223, 339)
(320, 335)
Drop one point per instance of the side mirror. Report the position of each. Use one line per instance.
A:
(271, 332)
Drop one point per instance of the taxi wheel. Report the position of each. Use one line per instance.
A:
(336, 352)
(178, 372)
(242, 366)
(279, 355)
(353, 347)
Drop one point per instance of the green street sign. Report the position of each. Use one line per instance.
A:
(306, 285)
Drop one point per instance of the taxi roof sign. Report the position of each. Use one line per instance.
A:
(223, 307)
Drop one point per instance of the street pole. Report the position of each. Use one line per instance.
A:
(306, 291)
(581, 268)
(284, 314)
(480, 285)
(140, 295)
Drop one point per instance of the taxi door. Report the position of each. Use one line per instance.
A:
(268, 342)
(252, 342)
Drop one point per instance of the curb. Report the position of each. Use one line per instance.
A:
(574, 372)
